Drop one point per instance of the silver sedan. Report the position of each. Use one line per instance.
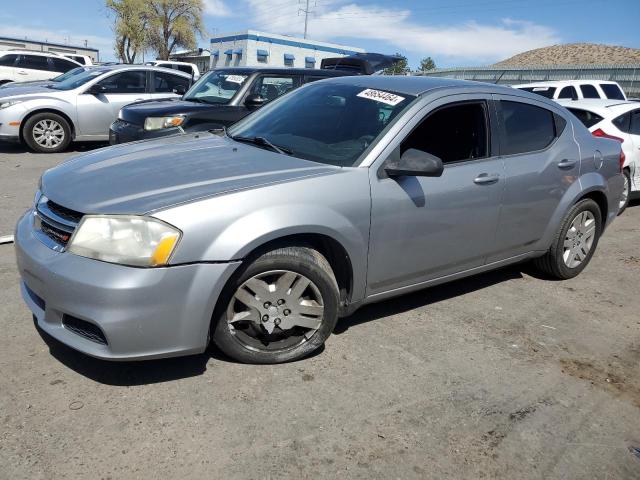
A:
(81, 107)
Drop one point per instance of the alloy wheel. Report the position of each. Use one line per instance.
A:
(579, 239)
(48, 133)
(275, 310)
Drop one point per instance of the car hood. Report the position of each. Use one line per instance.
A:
(22, 85)
(137, 113)
(142, 177)
(26, 91)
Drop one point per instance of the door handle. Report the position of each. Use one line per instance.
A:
(486, 179)
(566, 164)
(22, 72)
(138, 99)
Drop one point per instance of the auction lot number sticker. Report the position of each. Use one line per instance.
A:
(380, 96)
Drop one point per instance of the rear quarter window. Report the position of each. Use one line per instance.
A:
(588, 119)
(525, 127)
(612, 91)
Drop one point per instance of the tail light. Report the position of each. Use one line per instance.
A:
(600, 133)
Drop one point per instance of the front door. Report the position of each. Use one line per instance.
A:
(423, 228)
(96, 112)
(541, 162)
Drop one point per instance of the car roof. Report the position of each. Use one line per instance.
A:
(32, 52)
(417, 85)
(127, 66)
(560, 83)
(603, 107)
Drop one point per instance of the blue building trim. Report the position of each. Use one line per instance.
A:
(280, 41)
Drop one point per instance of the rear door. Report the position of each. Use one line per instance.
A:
(33, 67)
(423, 228)
(8, 71)
(97, 112)
(541, 162)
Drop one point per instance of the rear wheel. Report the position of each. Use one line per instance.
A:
(575, 242)
(282, 307)
(626, 192)
(47, 133)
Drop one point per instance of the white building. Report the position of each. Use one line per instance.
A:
(252, 48)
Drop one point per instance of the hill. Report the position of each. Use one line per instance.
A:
(574, 54)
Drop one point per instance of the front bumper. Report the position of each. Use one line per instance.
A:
(123, 132)
(8, 116)
(144, 313)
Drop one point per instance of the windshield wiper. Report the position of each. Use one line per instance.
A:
(263, 142)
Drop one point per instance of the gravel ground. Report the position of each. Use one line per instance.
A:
(504, 375)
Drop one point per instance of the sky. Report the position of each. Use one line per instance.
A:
(452, 32)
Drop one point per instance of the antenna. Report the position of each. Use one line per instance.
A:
(306, 12)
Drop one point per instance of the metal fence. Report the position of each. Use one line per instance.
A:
(628, 76)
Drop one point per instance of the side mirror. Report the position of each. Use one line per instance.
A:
(180, 90)
(96, 89)
(255, 101)
(415, 163)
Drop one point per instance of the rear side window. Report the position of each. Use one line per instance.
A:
(635, 122)
(589, 91)
(623, 122)
(525, 128)
(61, 65)
(33, 62)
(271, 87)
(546, 92)
(612, 91)
(8, 60)
(588, 119)
(454, 133)
(185, 68)
(568, 92)
(166, 83)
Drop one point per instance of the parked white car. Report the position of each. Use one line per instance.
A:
(185, 67)
(51, 81)
(26, 66)
(82, 59)
(575, 89)
(620, 121)
(81, 108)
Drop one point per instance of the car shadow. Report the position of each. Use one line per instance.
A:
(80, 147)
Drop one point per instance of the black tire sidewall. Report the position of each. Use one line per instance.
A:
(27, 132)
(225, 340)
(579, 207)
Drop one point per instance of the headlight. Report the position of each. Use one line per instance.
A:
(10, 103)
(157, 123)
(124, 239)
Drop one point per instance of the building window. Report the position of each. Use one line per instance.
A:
(288, 59)
(310, 62)
(263, 55)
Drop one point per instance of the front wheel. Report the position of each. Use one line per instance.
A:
(626, 191)
(574, 244)
(282, 307)
(47, 133)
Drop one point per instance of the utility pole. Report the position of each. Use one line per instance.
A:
(306, 12)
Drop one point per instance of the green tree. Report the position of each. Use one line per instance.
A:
(129, 26)
(399, 68)
(174, 23)
(427, 64)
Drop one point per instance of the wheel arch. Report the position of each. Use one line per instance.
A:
(47, 110)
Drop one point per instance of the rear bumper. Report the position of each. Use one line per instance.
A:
(123, 132)
(143, 313)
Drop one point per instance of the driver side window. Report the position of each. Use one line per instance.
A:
(271, 87)
(454, 133)
(126, 82)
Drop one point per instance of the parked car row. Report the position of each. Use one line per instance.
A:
(341, 193)
(27, 65)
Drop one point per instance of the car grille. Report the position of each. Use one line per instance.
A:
(55, 223)
(85, 329)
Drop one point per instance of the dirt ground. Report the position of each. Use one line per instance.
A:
(504, 375)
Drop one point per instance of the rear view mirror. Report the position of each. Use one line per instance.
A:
(254, 100)
(415, 163)
(96, 89)
(180, 90)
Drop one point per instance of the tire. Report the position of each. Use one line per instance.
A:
(251, 328)
(553, 263)
(626, 194)
(43, 129)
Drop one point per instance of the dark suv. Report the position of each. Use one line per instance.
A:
(223, 96)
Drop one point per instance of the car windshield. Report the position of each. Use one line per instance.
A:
(78, 80)
(325, 122)
(217, 87)
(70, 73)
(547, 92)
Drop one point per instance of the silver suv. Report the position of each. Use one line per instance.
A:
(82, 106)
(344, 192)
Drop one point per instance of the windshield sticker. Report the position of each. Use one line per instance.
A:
(235, 78)
(380, 96)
